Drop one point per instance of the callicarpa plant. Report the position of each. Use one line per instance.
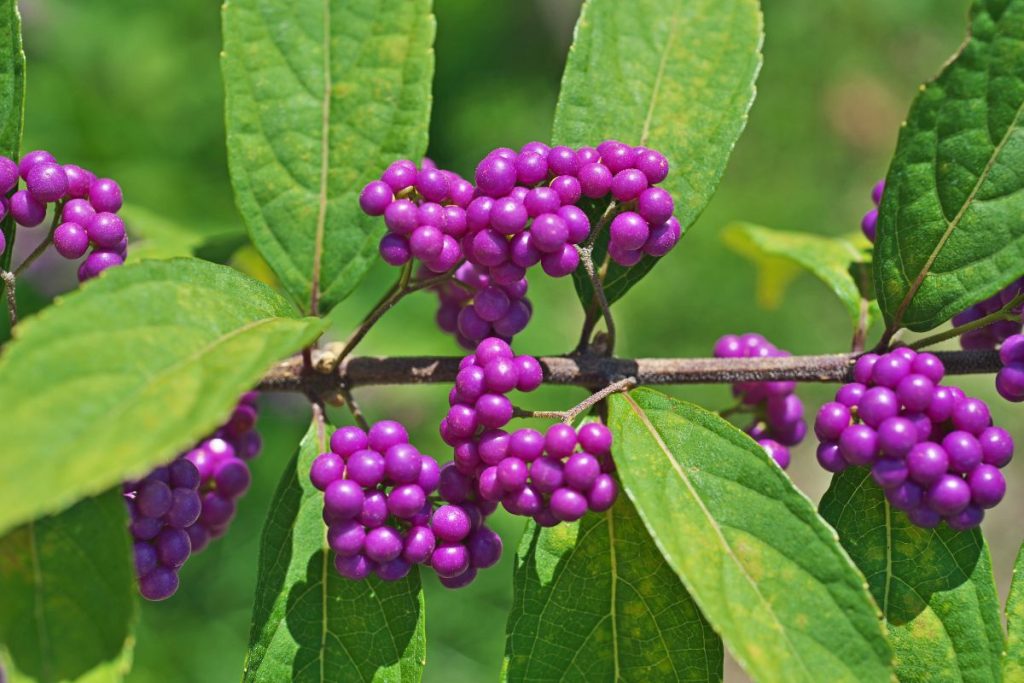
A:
(656, 533)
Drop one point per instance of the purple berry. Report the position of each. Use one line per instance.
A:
(996, 446)
(568, 505)
(971, 415)
(949, 495)
(343, 499)
(595, 180)
(629, 231)
(106, 230)
(450, 560)
(496, 175)
(347, 440)
(484, 547)
(159, 584)
(46, 181)
(366, 468)
(346, 538)
(987, 486)
(419, 545)
(858, 444)
(450, 523)
(26, 209)
(373, 200)
(830, 457)
(354, 567)
(28, 161)
(385, 434)
(432, 184)
(927, 462)
(382, 544)
(889, 472)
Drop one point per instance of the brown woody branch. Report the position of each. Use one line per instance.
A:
(591, 371)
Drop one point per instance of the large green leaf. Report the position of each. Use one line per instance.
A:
(68, 592)
(1013, 661)
(839, 262)
(128, 371)
(763, 567)
(12, 100)
(675, 75)
(949, 229)
(321, 96)
(934, 586)
(309, 624)
(595, 601)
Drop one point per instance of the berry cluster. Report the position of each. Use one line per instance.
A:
(375, 488)
(536, 475)
(176, 510)
(1010, 379)
(424, 210)
(472, 308)
(778, 412)
(87, 207)
(932, 448)
(869, 224)
(990, 336)
(163, 505)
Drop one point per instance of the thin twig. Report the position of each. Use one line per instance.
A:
(592, 370)
(1004, 313)
(45, 244)
(583, 406)
(353, 407)
(602, 300)
(9, 281)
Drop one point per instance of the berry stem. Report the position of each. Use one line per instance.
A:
(404, 286)
(45, 244)
(586, 255)
(586, 404)
(1004, 313)
(12, 302)
(353, 407)
(592, 370)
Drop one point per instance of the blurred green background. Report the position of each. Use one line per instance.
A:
(132, 90)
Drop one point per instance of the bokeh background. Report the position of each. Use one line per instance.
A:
(133, 90)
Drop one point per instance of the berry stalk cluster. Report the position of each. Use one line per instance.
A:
(177, 509)
(932, 449)
(778, 412)
(85, 209)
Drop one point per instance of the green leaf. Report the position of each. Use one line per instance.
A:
(934, 586)
(68, 591)
(675, 75)
(1013, 659)
(321, 96)
(127, 372)
(12, 102)
(764, 568)
(781, 255)
(311, 625)
(950, 216)
(595, 601)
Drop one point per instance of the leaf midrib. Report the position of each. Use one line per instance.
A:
(713, 524)
(951, 225)
(325, 121)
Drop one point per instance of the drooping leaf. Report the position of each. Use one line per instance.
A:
(1013, 660)
(68, 590)
(133, 368)
(595, 601)
(764, 568)
(321, 96)
(12, 101)
(781, 255)
(674, 75)
(309, 624)
(934, 586)
(949, 228)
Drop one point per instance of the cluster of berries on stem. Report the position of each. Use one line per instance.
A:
(778, 412)
(932, 449)
(85, 209)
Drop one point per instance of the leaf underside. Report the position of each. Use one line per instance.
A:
(69, 600)
(311, 625)
(934, 586)
(595, 601)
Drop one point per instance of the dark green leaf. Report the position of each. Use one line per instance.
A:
(12, 101)
(934, 586)
(1013, 661)
(131, 369)
(763, 567)
(950, 216)
(675, 75)
(595, 601)
(68, 592)
(309, 624)
(321, 96)
(781, 255)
